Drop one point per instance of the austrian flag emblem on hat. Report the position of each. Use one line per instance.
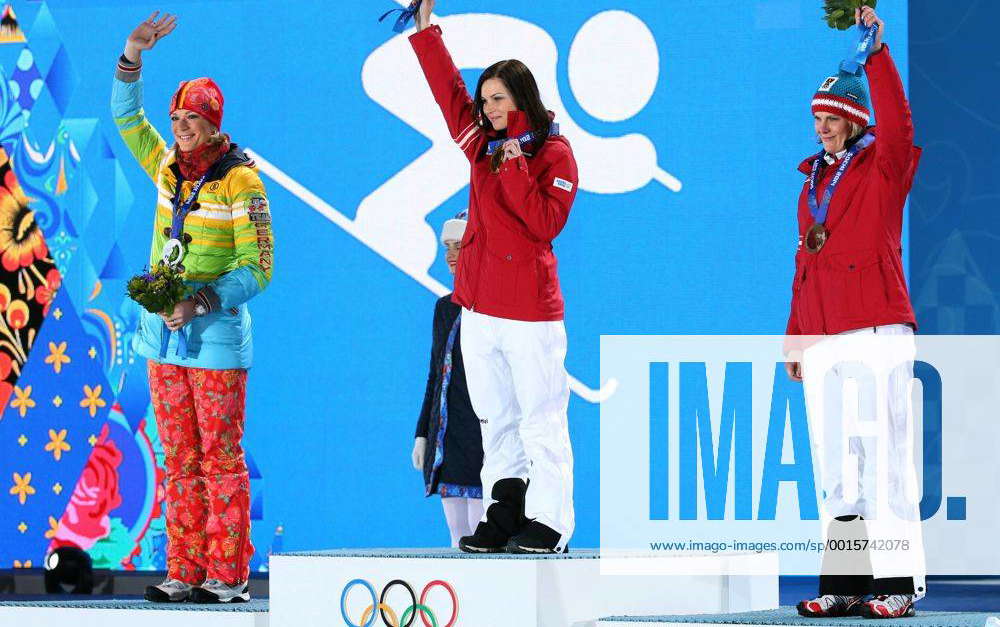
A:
(844, 95)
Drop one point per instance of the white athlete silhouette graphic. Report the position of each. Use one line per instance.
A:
(392, 78)
(392, 219)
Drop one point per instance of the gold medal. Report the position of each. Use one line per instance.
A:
(816, 238)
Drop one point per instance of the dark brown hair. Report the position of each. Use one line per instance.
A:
(523, 89)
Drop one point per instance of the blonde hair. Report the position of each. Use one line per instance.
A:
(857, 130)
(216, 138)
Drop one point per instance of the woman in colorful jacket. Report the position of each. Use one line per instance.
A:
(849, 284)
(199, 390)
(447, 421)
(523, 182)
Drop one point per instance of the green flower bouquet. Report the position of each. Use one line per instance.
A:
(159, 290)
(839, 14)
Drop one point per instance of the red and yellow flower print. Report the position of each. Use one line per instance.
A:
(21, 241)
(28, 279)
(199, 416)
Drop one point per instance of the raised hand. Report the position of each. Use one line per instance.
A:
(867, 16)
(512, 149)
(146, 34)
(423, 16)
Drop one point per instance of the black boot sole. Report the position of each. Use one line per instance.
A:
(204, 597)
(483, 550)
(513, 547)
(155, 595)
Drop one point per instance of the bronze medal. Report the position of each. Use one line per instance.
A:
(496, 160)
(816, 238)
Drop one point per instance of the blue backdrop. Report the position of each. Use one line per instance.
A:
(955, 229)
(342, 334)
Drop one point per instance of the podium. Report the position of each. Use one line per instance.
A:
(572, 590)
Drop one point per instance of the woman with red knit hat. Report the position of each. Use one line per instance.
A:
(211, 223)
(523, 182)
(850, 288)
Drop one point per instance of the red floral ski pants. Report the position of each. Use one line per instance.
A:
(199, 417)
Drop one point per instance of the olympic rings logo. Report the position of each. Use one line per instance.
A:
(388, 615)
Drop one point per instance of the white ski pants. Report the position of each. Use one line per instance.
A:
(520, 390)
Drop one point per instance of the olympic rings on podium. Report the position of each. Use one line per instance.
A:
(368, 618)
(343, 602)
(382, 609)
(423, 609)
(385, 591)
(454, 601)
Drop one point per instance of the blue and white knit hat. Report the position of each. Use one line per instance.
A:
(845, 95)
(454, 229)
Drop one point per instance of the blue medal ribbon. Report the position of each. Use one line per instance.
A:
(405, 15)
(180, 211)
(182, 348)
(819, 209)
(862, 51)
(443, 402)
(525, 138)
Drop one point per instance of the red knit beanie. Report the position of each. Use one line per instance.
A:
(202, 96)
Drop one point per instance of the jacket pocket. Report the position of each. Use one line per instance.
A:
(857, 291)
(512, 270)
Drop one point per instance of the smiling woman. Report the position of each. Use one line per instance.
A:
(524, 181)
(849, 284)
(212, 225)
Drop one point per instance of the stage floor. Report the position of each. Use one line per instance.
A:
(787, 616)
(130, 612)
(945, 594)
(952, 602)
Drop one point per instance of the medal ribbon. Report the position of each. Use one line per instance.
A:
(180, 211)
(443, 403)
(862, 51)
(819, 209)
(525, 138)
(405, 15)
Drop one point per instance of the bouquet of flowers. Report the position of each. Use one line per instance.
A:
(159, 290)
(839, 14)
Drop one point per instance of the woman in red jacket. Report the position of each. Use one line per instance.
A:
(849, 284)
(523, 182)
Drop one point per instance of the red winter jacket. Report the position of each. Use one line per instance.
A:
(507, 268)
(856, 280)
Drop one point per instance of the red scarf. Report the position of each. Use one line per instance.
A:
(195, 164)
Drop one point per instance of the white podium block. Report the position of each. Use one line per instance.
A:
(516, 590)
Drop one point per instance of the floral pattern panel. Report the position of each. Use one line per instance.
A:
(27, 283)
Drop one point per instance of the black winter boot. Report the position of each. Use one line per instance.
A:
(536, 538)
(504, 519)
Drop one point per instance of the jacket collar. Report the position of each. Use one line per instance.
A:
(235, 157)
(517, 123)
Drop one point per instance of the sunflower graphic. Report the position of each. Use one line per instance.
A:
(21, 241)
(20, 238)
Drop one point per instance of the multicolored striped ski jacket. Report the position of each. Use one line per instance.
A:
(231, 252)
